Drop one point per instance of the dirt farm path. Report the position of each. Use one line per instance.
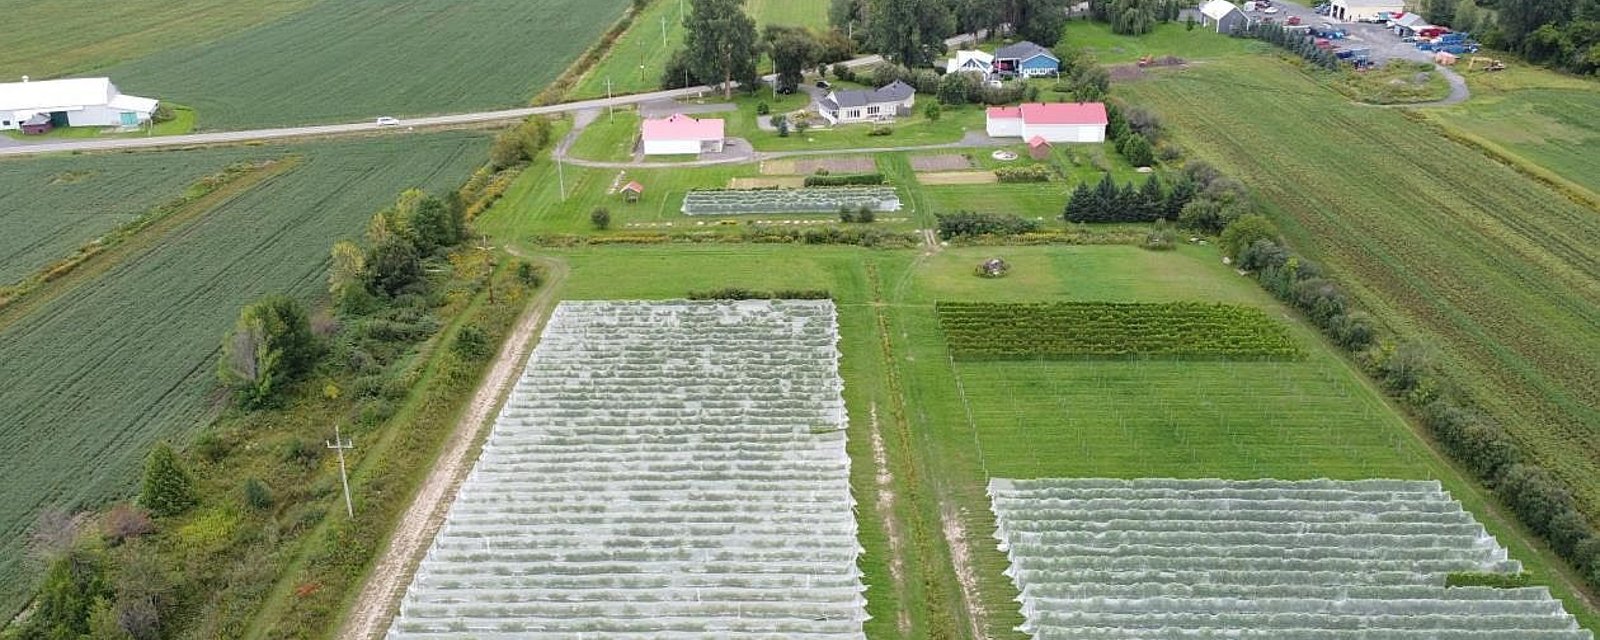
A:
(379, 598)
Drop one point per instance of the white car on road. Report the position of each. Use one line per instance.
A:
(387, 121)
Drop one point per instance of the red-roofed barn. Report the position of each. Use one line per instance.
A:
(1054, 122)
(679, 134)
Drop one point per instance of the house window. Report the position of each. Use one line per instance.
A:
(872, 111)
(5, 123)
(853, 113)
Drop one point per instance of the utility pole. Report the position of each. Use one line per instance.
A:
(663, 32)
(561, 175)
(611, 109)
(341, 444)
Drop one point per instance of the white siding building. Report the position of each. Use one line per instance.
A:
(1053, 122)
(76, 102)
(1363, 10)
(679, 134)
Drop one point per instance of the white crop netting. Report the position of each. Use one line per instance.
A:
(661, 470)
(1103, 559)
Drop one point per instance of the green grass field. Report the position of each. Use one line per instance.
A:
(946, 428)
(609, 138)
(1547, 119)
(637, 58)
(358, 59)
(1497, 271)
(110, 364)
(1166, 40)
(52, 205)
(77, 36)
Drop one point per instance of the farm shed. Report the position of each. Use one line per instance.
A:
(679, 134)
(1364, 10)
(1223, 16)
(632, 191)
(1055, 122)
(1038, 148)
(1408, 24)
(1026, 59)
(76, 102)
(38, 124)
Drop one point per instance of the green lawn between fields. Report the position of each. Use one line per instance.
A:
(1549, 120)
(947, 428)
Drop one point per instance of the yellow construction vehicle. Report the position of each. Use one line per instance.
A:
(1489, 64)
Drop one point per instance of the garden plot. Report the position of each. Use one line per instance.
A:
(854, 164)
(701, 202)
(941, 162)
(957, 177)
(1319, 559)
(662, 470)
(786, 182)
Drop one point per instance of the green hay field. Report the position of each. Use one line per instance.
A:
(355, 60)
(1497, 271)
(98, 373)
(1546, 118)
(50, 206)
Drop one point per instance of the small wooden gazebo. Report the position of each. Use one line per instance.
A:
(632, 191)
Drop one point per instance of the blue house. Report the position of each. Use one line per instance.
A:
(1026, 59)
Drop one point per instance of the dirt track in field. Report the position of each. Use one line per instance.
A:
(375, 607)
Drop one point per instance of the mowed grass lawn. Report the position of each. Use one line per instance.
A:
(1548, 119)
(1170, 39)
(1499, 272)
(111, 364)
(50, 206)
(60, 37)
(354, 60)
(946, 428)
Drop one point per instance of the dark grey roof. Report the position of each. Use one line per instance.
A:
(1022, 51)
(896, 91)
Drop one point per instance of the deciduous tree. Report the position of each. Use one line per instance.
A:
(721, 42)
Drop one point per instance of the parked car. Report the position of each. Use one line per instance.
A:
(823, 84)
(387, 121)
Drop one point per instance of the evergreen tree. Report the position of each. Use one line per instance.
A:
(1106, 199)
(1182, 191)
(1080, 207)
(167, 489)
(1151, 199)
(1136, 148)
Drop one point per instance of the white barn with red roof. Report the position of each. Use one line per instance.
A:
(1053, 122)
(679, 134)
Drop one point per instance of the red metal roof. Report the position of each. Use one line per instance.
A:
(634, 187)
(682, 127)
(1004, 112)
(1064, 113)
(1038, 141)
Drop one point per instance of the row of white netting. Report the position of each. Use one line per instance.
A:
(662, 470)
(1286, 560)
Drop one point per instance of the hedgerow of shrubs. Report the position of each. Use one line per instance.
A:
(1112, 330)
(741, 293)
(844, 180)
(1030, 173)
(970, 224)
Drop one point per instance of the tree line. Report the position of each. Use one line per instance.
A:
(1561, 33)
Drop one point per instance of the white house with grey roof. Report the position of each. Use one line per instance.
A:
(1026, 59)
(862, 105)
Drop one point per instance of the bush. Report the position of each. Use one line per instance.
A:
(471, 343)
(124, 522)
(1161, 237)
(932, 111)
(881, 130)
(762, 109)
(256, 494)
(1137, 150)
(968, 223)
(529, 275)
(844, 180)
(741, 293)
(865, 214)
(168, 489)
(271, 344)
(600, 218)
(1244, 232)
(393, 267)
(1030, 173)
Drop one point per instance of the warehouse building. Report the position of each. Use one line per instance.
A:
(73, 102)
(1363, 10)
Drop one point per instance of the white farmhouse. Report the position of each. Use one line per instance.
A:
(884, 103)
(970, 61)
(76, 102)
